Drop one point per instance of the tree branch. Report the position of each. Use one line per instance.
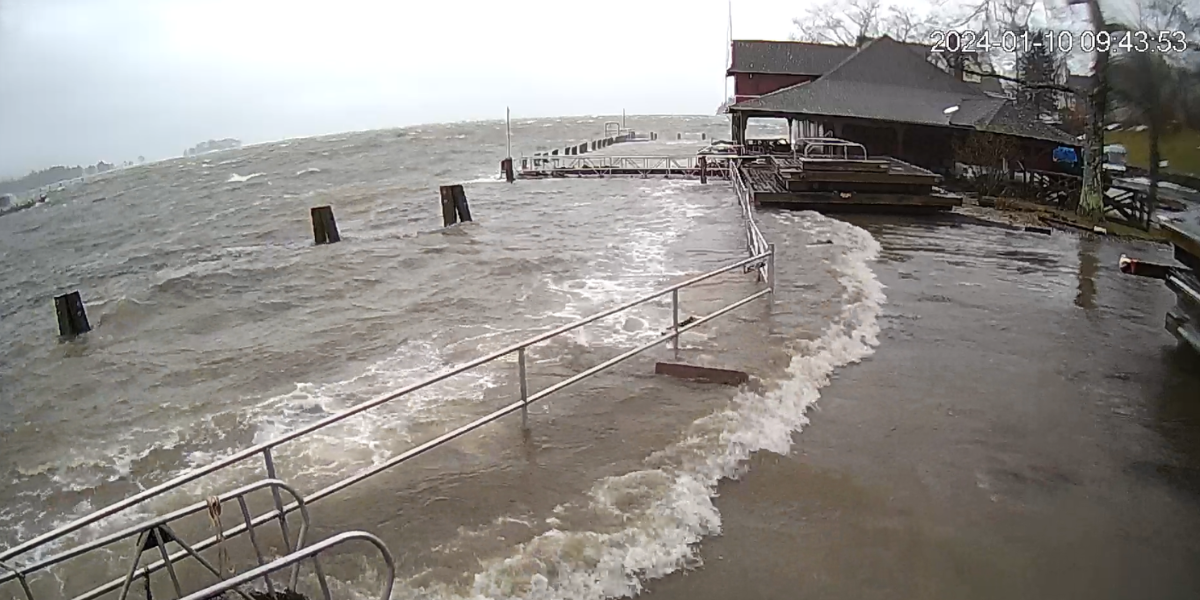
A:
(1032, 86)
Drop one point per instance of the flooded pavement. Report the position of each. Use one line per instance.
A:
(1026, 429)
(1007, 416)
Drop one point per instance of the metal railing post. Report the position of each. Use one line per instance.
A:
(675, 321)
(265, 449)
(771, 269)
(524, 389)
(20, 579)
(283, 527)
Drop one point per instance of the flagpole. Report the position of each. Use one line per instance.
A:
(728, 50)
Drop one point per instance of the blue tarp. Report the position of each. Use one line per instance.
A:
(1065, 154)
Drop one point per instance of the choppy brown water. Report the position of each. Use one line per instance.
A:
(218, 325)
(1027, 429)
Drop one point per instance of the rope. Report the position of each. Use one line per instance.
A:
(214, 515)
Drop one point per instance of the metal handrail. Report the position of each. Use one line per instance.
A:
(716, 163)
(755, 240)
(248, 525)
(303, 554)
(264, 448)
(845, 145)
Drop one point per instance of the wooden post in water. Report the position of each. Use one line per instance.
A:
(679, 136)
(325, 229)
(702, 162)
(449, 209)
(704, 136)
(72, 318)
(460, 203)
(506, 167)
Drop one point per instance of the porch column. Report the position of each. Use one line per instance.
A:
(900, 140)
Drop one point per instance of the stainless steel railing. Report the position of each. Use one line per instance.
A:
(160, 526)
(294, 559)
(761, 261)
(603, 164)
(755, 241)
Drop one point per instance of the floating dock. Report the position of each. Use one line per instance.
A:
(823, 174)
(832, 175)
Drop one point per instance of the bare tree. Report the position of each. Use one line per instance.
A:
(838, 22)
(1091, 196)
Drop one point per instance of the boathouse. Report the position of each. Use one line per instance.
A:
(887, 95)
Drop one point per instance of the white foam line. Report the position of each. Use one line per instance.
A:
(666, 508)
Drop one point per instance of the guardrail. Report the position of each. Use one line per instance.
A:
(755, 241)
(607, 165)
(761, 261)
(293, 559)
(157, 532)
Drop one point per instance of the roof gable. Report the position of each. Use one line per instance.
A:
(888, 62)
(786, 58)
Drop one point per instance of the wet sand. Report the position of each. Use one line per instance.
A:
(1022, 432)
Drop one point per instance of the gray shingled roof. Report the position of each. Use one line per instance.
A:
(1012, 120)
(786, 58)
(883, 84)
(808, 58)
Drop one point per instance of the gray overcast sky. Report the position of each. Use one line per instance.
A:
(85, 80)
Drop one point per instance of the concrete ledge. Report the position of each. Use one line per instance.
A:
(706, 374)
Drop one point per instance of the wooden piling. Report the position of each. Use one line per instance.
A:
(72, 317)
(702, 162)
(460, 203)
(679, 136)
(325, 229)
(506, 167)
(704, 136)
(449, 208)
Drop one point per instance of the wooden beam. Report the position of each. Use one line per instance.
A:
(705, 374)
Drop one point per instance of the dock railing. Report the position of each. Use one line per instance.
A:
(761, 260)
(293, 560)
(756, 243)
(602, 165)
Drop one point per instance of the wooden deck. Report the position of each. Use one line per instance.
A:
(879, 185)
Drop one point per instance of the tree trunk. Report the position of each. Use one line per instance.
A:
(1091, 198)
(1155, 159)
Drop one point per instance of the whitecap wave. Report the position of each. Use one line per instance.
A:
(659, 514)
